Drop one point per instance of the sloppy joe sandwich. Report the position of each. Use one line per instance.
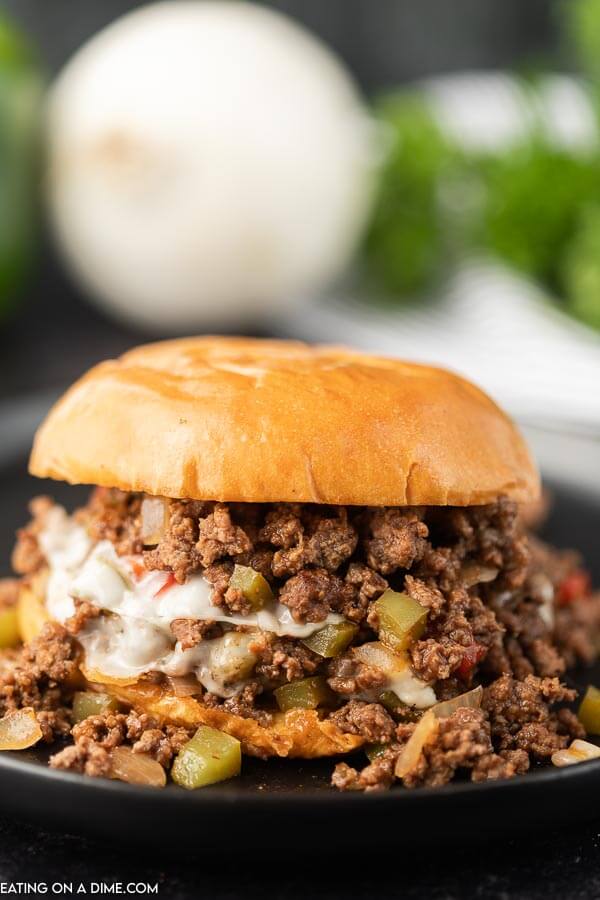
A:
(291, 551)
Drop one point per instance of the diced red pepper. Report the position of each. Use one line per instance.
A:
(170, 581)
(473, 654)
(575, 586)
(138, 568)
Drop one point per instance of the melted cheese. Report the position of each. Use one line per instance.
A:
(135, 637)
(411, 690)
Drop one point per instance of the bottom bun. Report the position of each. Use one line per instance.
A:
(298, 732)
(295, 733)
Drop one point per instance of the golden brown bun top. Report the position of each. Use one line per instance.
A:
(250, 420)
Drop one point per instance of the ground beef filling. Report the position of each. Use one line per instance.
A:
(43, 676)
(487, 587)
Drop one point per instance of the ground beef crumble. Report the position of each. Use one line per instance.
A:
(486, 585)
(349, 676)
(43, 676)
(369, 720)
(96, 736)
(189, 632)
(281, 660)
(27, 556)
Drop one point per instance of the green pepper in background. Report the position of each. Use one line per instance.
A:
(581, 269)
(20, 95)
(406, 245)
(522, 202)
(582, 19)
(534, 193)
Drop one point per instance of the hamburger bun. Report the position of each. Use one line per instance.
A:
(236, 419)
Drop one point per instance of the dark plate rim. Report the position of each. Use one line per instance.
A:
(538, 779)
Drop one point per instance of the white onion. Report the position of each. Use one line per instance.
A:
(154, 514)
(230, 657)
(136, 768)
(376, 654)
(470, 699)
(184, 685)
(19, 729)
(208, 160)
(474, 573)
(579, 751)
(425, 729)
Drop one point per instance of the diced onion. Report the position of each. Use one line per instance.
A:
(471, 699)
(585, 748)
(154, 519)
(136, 768)
(579, 751)
(19, 730)
(184, 685)
(231, 658)
(378, 655)
(474, 573)
(427, 726)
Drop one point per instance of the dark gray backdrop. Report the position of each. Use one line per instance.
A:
(382, 40)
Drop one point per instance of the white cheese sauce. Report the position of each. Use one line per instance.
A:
(135, 635)
(411, 690)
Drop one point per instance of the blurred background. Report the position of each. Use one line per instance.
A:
(419, 179)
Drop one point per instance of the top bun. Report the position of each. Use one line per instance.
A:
(237, 419)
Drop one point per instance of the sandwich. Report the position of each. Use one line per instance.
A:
(292, 551)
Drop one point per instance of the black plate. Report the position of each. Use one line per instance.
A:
(289, 800)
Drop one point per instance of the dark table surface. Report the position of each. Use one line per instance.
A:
(42, 349)
(552, 866)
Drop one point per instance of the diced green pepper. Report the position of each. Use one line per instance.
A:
(397, 708)
(374, 750)
(306, 693)
(589, 710)
(21, 90)
(254, 586)
(90, 703)
(401, 619)
(209, 757)
(9, 628)
(390, 700)
(331, 640)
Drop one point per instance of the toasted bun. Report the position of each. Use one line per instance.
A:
(236, 419)
(298, 732)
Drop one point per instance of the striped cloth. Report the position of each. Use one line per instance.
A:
(492, 326)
